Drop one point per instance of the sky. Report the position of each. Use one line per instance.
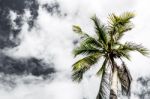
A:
(51, 39)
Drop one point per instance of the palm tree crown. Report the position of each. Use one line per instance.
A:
(107, 45)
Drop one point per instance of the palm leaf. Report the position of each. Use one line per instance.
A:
(100, 29)
(122, 29)
(81, 66)
(77, 29)
(126, 17)
(102, 67)
(118, 25)
(123, 53)
(135, 47)
(122, 20)
(88, 46)
(113, 20)
(85, 49)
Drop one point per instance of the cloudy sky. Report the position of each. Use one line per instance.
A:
(37, 35)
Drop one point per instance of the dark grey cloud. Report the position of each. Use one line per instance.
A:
(20, 66)
(17, 6)
(54, 8)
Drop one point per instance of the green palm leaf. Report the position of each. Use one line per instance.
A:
(83, 65)
(123, 53)
(117, 21)
(102, 67)
(88, 46)
(77, 29)
(120, 24)
(122, 29)
(135, 47)
(100, 29)
(126, 17)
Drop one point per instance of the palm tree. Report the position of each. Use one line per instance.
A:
(107, 46)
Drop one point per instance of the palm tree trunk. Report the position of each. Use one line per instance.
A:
(104, 89)
(113, 92)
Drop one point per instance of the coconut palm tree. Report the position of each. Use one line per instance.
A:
(106, 47)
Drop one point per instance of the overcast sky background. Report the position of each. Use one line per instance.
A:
(51, 39)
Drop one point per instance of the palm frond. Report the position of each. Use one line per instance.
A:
(121, 20)
(85, 49)
(126, 17)
(122, 29)
(77, 29)
(113, 20)
(102, 67)
(124, 49)
(120, 24)
(81, 66)
(125, 79)
(100, 29)
(135, 47)
(88, 46)
(123, 53)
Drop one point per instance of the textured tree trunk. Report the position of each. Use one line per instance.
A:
(113, 95)
(113, 92)
(104, 89)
